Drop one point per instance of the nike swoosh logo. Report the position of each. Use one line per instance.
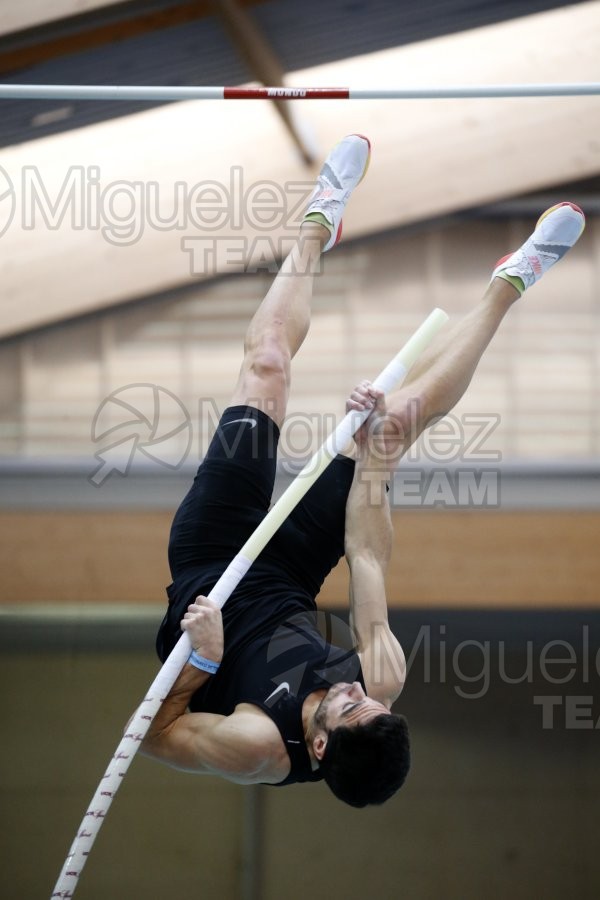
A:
(233, 421)
(283, 686)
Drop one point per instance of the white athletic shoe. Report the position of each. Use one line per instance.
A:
(344, 168)
(555, 232)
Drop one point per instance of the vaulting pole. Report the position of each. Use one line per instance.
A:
(393, 373)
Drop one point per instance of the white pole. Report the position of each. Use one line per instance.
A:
(233, 574)
(150, 94)
(458, 92)
(106, 92)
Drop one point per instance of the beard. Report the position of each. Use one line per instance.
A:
(320, 716)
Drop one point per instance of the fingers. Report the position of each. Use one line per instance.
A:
(202, 608)
(203, 623)
(365, 397)
(206, 602)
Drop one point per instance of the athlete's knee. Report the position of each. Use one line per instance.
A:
(408, 415)
(267, 359)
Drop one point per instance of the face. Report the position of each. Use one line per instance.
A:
(348, 705)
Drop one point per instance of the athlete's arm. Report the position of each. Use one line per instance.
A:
(368, 549)
(236, 747)
(232, 746)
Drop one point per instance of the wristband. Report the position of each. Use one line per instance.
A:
(200, 662)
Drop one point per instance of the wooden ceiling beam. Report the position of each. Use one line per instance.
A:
(109, 25)
(262, 61)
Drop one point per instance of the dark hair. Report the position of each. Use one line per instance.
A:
(368, 763)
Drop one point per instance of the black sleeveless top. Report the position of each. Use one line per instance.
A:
(278, 649)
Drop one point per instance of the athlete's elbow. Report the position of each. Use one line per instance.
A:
(152, 749)
(257, 762)
(369, 545)
(366, 557)
(157, 744)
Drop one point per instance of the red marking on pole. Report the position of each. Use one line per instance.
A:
(284, 93)
(107, 793)
(84, 834)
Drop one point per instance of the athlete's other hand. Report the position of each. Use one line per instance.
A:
(204, 624)
(365, 396)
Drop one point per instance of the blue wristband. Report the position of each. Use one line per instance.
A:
(207, 665)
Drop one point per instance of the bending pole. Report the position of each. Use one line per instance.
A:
(145, 93)
(231, 577)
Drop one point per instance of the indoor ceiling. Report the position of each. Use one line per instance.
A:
(431, 158)
(156, 42)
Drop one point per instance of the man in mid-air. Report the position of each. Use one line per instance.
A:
(265, 698)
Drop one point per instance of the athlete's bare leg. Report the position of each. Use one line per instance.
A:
(440, 378)
(279, 326)
(281, 322)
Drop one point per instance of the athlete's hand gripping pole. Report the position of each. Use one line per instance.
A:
(393, 373)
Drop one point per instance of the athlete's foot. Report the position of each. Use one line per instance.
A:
(555, 233)
(344, 168)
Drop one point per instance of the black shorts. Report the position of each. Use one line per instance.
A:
(230, 496)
